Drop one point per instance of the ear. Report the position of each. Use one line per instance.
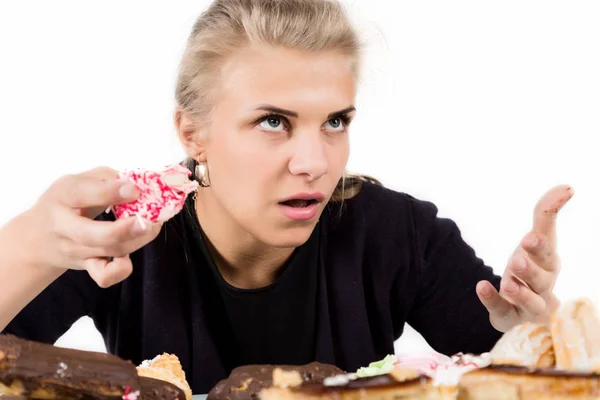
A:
(190, 133)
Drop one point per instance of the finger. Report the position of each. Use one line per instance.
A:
(94, 233)
(127, 247)
(109, 238)
(493, 302)
(538, 249)
(547, 208)
(107, 273)
(103, 173)
(83, 191)
(536, 278)
(522, 297)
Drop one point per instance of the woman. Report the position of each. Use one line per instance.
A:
(280, 257)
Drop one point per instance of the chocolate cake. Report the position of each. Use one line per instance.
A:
(42, 371)
(155, 389)
(246, 382)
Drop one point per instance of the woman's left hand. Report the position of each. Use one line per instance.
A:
(526, 287)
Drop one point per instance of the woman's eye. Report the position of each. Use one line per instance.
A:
(272, 124)
(336, 124)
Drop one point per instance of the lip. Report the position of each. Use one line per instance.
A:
(300, 214)
(304, 213)
(318, 196)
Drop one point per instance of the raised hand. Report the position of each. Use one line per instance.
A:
(526, 290)
(63, 234)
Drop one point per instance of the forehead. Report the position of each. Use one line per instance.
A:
(287, 78)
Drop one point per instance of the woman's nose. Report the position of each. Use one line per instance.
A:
(309, 157)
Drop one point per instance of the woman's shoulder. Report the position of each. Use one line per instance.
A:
(377, 206)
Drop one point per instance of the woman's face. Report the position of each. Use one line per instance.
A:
(278, 140)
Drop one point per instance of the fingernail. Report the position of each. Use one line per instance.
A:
(485, 291)
(128, 191)
(511, 287)
(532, 241)
(519, 264)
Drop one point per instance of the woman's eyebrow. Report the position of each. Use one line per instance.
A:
(341, 112)
(277, 110)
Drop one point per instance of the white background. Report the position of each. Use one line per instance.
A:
(477, 106)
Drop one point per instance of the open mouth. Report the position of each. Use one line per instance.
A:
(299, 203)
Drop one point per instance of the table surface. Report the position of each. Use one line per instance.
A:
(199, 397)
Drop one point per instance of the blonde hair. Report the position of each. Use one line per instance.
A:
(228, 25)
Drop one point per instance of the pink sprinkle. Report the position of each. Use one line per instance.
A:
(425, 363)
(129, 395)
(158, 200)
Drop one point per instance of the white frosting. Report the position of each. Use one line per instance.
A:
(522, 345)
(451, 375)
(445, 371)
(339, 380)
(148, 363)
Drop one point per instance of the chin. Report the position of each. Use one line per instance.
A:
(289, 237)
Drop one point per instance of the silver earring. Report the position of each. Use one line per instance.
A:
(202, 174)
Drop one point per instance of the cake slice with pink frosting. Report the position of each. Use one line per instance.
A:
(445, 372)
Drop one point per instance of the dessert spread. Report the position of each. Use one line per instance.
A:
(530, 361)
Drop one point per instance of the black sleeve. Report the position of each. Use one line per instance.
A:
(73, 295)
(447, 311)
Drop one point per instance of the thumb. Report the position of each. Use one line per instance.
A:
(498, 307)
(107, 273)
(94, 194)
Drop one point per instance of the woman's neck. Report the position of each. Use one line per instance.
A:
(243, 261)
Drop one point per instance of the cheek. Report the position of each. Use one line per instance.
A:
(338, 157)
(243, 176)
(248, 162)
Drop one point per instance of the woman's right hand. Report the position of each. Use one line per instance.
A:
(62, 232)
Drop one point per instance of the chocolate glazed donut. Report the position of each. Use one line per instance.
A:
(36, 370)
(244, 383)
